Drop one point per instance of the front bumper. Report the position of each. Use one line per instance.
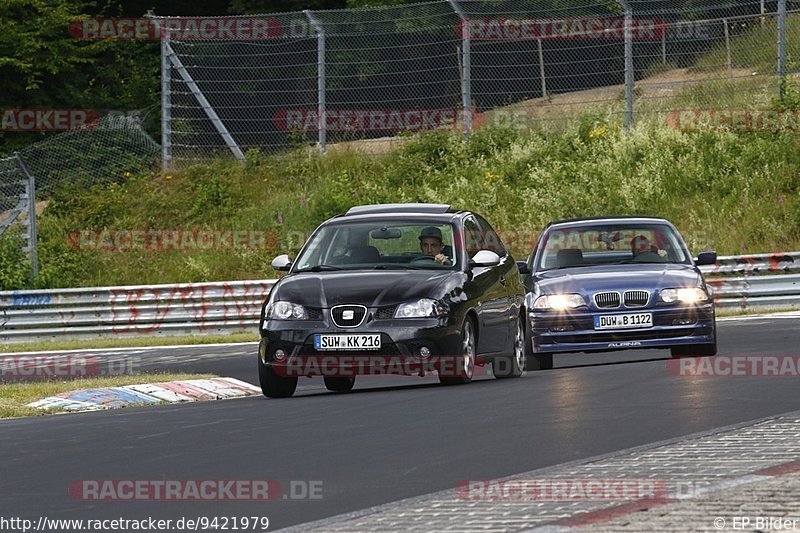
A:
(401, 340)
(574, 331)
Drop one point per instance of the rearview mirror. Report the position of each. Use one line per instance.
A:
(706, 258)
(485, 258)
(522, 266)
(385, 233)
(282, 262)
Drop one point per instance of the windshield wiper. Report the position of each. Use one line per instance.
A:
(320, 268)
(574, 266)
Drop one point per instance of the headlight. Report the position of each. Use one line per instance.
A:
(285, 311)
(424, 307)
(687, 295)
(559, 302)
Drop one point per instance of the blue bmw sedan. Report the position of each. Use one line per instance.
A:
(602, 284)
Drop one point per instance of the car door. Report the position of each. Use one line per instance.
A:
(485, 293)
(507, 278)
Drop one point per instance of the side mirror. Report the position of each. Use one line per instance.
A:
(522, 266)
(282, 262)
(706, 258)
(485, 258)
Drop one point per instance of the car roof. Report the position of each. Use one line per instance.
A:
(588, 221)
(411, 211)
(399, 208)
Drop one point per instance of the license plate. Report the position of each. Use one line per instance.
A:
(347, 342)
(633, 320)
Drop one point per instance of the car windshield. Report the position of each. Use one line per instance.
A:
(386, 244)
(604, 244)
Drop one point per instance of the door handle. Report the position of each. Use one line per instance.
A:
(502, 280)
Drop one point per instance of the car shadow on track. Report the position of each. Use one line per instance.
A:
(583, 364)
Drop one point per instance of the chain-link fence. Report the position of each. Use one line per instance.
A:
(368, 74)
(101, 153)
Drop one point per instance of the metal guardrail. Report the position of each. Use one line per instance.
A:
(757, 291)
(132, 311)
(750, 264)
(753, 289)
(234, 306)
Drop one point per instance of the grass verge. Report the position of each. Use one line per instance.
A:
(726, 313)
(137, 342)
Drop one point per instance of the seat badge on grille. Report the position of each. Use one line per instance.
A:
(348, 315)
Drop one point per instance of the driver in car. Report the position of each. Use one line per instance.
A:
(431, 245)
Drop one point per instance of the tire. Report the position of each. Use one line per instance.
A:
(466, 357)
(340, 384)
(512, 366)
(694, 350)
(273, 385)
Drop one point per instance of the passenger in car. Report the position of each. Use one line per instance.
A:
(643, 251)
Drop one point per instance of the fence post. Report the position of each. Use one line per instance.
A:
(781, 48)
(166, 102)
(629, 73)
(205, 105)
(728, 47)
(541, 67)
(30, 193)
(466, 68)
(322, 129)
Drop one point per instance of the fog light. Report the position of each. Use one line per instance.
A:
(424, 352)
(682, 321)
(279, 355)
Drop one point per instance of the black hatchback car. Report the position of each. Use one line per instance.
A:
(402, 289)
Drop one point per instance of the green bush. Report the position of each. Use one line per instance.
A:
(15, 272)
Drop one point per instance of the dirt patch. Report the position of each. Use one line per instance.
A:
(40, 207)
(557, 107)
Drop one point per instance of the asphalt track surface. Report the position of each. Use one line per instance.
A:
(391, 438)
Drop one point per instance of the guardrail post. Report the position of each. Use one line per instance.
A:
(466, 68)
(30, 193)
(322, 129)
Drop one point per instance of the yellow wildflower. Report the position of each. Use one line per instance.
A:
(598, 132)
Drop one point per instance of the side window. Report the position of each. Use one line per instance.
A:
(491, 240)
(472, 237)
